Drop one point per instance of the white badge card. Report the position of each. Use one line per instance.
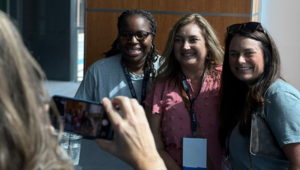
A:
(194, 153)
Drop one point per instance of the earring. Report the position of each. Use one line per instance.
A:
(208, 62)
(118, 47)
(152, 46)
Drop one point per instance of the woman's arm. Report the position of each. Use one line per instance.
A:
(133, 142)
(154, 122)
(283, 117)
(292, 152)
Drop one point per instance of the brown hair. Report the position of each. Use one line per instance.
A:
(238, 101)
(170, 66)
(26, 142)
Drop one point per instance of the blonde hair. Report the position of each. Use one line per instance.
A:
(26, 142)
(170, 66)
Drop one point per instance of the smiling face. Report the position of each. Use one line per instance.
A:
(246, 59)
(189, 46)
(132, 50)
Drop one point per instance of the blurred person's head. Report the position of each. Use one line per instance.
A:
(141, 46)
(192, 40)
(26, 141)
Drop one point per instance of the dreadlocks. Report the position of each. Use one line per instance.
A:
(152, 54)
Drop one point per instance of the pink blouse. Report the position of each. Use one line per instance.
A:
(166, 99)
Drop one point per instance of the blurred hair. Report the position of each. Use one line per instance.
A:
(170, 66)
(26, 142)
(85, 111)
(152, 54)
(238, 101)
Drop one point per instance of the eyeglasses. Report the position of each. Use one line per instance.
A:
(249, 26)
(140, 35)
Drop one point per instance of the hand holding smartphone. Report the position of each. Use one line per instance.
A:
(134, 142)
(82, 117)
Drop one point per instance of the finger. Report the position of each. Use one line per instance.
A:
(124, 105)
(137, 108)
(51, 129)
(105, 145)
(140, 115)
(112, 113)
(46, 107)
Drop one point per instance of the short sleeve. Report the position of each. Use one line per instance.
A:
(86, 88)
(283, 117)
(154, 98)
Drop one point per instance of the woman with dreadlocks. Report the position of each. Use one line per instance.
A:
(129, 65)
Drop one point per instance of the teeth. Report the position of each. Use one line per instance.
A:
(133, 51)
(187, 54)
(243, 68)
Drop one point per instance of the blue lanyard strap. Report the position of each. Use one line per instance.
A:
(131, 87)
(191, 110)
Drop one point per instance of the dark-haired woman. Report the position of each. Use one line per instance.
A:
(129, 65)
(87, 124)
(252, 86)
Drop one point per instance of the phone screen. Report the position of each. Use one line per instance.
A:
(85, 118)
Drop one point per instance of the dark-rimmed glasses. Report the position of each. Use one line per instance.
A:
(249, 26)
(140, 35)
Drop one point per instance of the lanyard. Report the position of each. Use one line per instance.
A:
(227, 144)
(192, 112)
(129, 81)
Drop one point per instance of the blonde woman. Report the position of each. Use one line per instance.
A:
(26, 142)
(187, 85)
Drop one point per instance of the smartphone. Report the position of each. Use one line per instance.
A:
(85, 118)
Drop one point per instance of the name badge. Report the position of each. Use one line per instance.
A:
(194, 153)
(226, 165)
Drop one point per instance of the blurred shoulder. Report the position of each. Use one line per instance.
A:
(218, 68)
(282, 87)
(109, 63)
(165, 84)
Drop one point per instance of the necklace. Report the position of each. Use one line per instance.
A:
(138, 73)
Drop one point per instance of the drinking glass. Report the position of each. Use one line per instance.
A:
(71, 143)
